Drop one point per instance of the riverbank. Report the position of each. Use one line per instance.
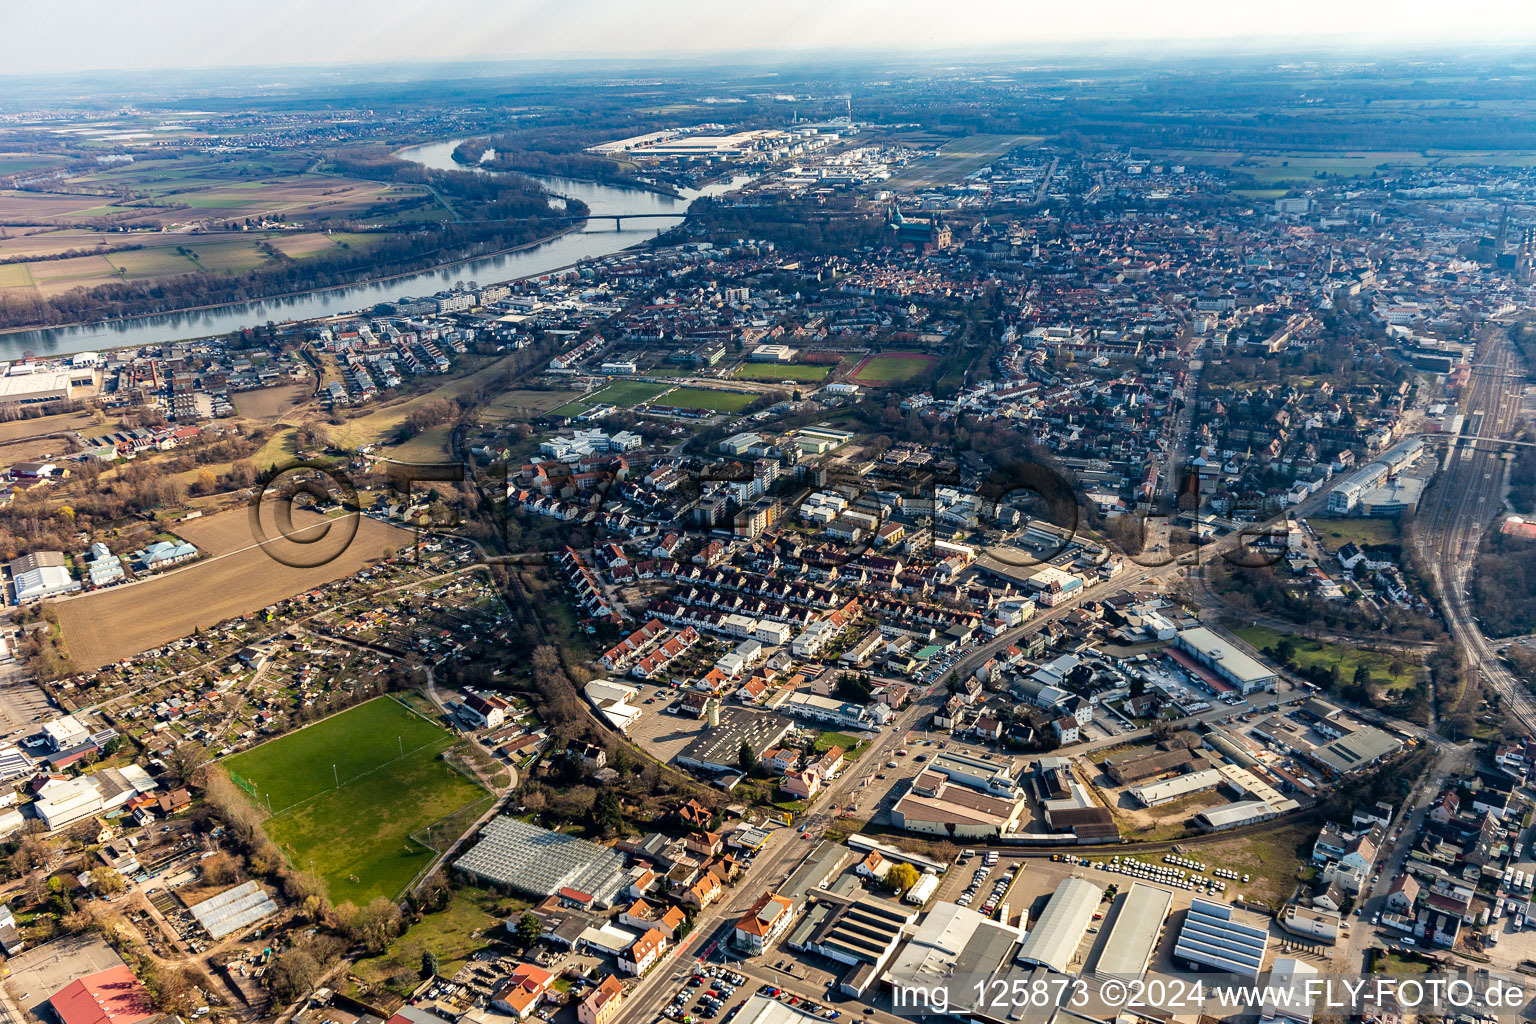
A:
(366, 279)
(570, 247)
(669, 191)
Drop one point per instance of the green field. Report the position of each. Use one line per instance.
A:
(1348, 659)
(626, 394)
(356, 835)
(1335, 533)
(15, 275)
(892, 368)
(704, 398)
(781, 371)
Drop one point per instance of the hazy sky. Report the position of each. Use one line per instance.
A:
(74, 35)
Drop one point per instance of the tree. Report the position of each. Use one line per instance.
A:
(377, 923)
(293, 974)
(220, 869)
(901, 877)
(1285, 651)
(853, 688)
(746, 759)
(185, 759)
(608, 812)
(428, 964)
(107, 881)
(529, 928)
(1362, 677)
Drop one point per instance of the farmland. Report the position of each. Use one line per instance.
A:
(957, 159)
(189, 214)
(192, 187)
(781, 371)
(891, 368)
(64, 421)
(236, 578)
(705, 398)
(1269, 168)
(356, 835)
(147, 256)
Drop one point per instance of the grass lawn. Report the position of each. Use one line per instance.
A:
(524, 403)
(1269, 858)
(278, 450)
(1335, 533)
(1316, 652)
(852, 745)
(431, 445)
(626, 394)
(705, 398)
(453, 934)
(356, 835)
(781, 371)
(891, 368)
(1398, 963)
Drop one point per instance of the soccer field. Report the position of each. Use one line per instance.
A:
(347, 793)
(781, 371)
(891, 368)
(708, 399)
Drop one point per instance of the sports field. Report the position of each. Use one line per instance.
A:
(781, 371)
(891, 368)
(706, 398)
(626, 394)
(391, 783)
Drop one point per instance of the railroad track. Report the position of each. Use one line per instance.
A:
(1466, 500)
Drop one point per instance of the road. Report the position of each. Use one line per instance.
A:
(1373, 899)
(785, 848)
(1465, 500)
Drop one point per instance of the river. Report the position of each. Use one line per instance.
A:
(594, 240)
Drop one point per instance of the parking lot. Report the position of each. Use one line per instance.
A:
(707, 994)
(660, 733)
(24, 707)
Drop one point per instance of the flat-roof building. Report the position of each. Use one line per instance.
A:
(1226, 659)
(718, 747)
(1213, 936)
(1154, 793)
(1133, 937)
(1360, 749)
(1054, 939)
(951, 941)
